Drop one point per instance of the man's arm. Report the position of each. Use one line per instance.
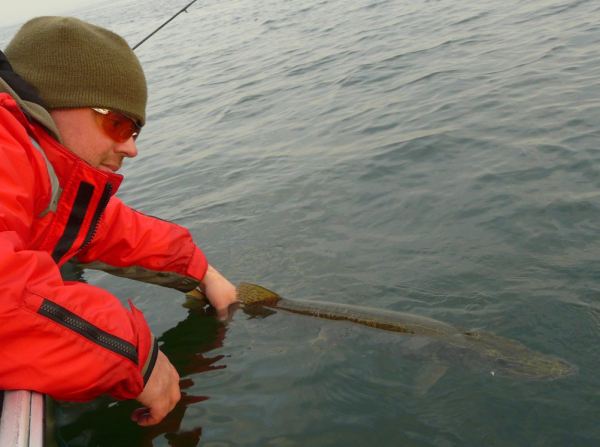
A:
(137, 246)
(71, 340)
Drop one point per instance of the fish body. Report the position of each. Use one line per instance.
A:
(502, 356)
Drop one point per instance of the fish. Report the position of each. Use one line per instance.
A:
(499, 355)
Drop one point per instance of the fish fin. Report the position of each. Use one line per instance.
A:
(257, 311)
(429, 376)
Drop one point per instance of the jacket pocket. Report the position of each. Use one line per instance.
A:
(69, 320)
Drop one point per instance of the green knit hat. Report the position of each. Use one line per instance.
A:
(73, 64)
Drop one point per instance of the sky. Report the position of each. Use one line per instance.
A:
(21, 10)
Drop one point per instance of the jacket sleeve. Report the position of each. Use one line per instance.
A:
(137, 246)
(70, 340)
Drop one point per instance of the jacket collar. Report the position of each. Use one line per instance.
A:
(25, 96)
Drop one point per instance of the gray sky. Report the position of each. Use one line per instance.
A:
(21, 10)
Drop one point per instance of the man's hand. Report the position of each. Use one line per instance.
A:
(220, 292)
(160, 394)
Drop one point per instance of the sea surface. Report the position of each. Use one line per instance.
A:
(434, 157)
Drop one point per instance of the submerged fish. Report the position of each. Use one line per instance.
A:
(501, 355)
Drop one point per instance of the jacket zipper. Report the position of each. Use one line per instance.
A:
(84, 328)
(102, 203)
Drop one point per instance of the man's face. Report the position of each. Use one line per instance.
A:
(81, 134)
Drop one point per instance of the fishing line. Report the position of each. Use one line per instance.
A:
(184, 9)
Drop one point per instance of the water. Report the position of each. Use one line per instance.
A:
(434, 157)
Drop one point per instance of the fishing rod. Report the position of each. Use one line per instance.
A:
(184, 9)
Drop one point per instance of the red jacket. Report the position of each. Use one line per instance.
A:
(72, 340)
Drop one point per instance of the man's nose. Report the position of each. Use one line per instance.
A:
(128, 148)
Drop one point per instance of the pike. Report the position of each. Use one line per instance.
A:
(503, 356)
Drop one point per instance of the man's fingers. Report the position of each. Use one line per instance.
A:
(153, 415)
(225, 314)
(140, 414)
(145, 417)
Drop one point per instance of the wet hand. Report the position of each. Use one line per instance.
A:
(220, 293)
(160, 394)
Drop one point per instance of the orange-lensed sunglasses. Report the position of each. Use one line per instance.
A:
(116, 125)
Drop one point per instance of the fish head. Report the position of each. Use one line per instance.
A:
(511, 358)
(252, 294)
(255, 299)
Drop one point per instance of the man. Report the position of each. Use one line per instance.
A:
(72, 102)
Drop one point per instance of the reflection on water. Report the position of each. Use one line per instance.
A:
(188, 347)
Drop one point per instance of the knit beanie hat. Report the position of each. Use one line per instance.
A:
(73, 64)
